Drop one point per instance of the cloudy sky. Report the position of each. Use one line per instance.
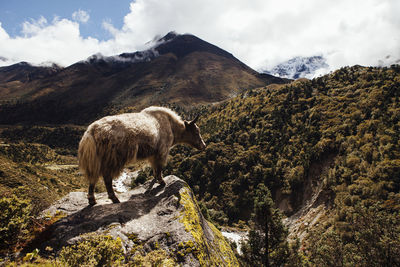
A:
(261, 33)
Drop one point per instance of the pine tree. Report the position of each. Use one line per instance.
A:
(267, 245)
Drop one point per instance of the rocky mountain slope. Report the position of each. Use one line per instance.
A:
(181, 70)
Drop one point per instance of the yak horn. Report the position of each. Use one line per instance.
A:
(195, 119)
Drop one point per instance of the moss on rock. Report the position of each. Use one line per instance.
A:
(211, 251)
(158, 257)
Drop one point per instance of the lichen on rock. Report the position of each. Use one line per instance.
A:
(211, 247)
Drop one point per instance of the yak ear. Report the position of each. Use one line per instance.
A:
(186, 123)
(194, 120)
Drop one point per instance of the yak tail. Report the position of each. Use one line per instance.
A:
(89, 162)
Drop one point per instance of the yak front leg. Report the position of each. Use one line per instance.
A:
(110, 190)
(157, 173)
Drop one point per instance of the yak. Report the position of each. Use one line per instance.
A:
(113, 142)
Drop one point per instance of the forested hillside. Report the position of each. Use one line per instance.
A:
(278, 135)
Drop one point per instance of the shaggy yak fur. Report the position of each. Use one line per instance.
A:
(115, 141)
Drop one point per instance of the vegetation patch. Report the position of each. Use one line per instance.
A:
(185, 248)
(15, 219)
(18, 226)
(157, 257)
(94, 250)
(64, 139)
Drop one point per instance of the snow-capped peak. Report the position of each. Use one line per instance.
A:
(299, 67)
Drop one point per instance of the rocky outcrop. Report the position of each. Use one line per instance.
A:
(315, 202)
(166, 218)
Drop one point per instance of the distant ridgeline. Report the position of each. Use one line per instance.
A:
(273, 136)
(179, 70)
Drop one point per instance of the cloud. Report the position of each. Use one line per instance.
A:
(109, 27)
(262, 33)
(58, 41)
(81, 16)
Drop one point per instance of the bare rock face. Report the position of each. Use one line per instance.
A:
(167, 218)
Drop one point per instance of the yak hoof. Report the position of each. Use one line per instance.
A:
(92, 202)
(115, 200)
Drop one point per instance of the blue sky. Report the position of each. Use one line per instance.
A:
(261, 33)
(13, 13)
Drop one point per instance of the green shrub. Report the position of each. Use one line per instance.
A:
(157, 257)
(15, 217)
(142, 177)
(100, 250)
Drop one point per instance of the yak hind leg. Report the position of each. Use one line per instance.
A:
(110, 190)
(91, 198)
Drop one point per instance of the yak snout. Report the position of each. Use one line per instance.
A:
(201, 145)
(197, 142)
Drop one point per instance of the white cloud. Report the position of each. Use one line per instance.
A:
(58, 41)
(261, 33)
(81, 16)
(33, 27)
(108, 26)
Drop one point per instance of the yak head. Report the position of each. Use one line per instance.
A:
(192, 135)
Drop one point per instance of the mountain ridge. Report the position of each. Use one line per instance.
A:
(181, 70)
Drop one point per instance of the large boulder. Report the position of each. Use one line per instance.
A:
(167, 218)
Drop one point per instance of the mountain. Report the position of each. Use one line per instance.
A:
(298, 67)
(14, 78)
(178, 70)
